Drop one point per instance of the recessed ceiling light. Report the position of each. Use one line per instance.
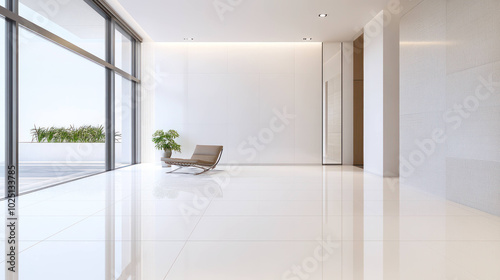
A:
(188, 39)
(307, 39)
(323, 15)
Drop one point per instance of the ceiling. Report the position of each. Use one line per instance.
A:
(252, 20)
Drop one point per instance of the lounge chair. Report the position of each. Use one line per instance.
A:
(204, 157)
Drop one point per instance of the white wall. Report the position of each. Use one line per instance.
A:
(423, 93)
(229, 94)
(391, 93)
(149, 83)
(381, 95)
(449, 105)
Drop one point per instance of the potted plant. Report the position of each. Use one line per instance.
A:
(164, 141)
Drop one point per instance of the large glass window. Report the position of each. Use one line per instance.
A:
(65, 94)
(73, 20)
(123, 121)
(61, 113)
(123, 51)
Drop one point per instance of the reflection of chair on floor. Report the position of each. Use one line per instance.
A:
(173, 188)
(204, 157)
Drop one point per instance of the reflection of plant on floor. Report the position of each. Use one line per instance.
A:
(82, 134)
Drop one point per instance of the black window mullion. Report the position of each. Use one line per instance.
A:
(135, 103)
(110, 96)
(11, 103)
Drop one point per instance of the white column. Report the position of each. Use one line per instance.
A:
(381, 95)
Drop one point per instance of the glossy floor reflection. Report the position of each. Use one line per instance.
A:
(35, 175)
(259, 223)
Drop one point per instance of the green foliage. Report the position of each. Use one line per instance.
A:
(82, 134)
(165, 140)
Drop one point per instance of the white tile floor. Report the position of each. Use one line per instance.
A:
(259, 223)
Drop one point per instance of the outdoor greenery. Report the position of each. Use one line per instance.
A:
(164, 141)
(72, 134)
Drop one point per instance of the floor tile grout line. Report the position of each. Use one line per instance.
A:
(56, 233)
(284, 241)
(187, 238)
(74, 224)
(447, 258)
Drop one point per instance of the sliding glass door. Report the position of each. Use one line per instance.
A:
(332, 103)
(61, 113)
(123, 121)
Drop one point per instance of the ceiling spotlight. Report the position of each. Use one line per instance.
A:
(323, 15)
(307, 39)
(188, 39)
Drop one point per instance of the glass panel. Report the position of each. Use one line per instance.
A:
(123, 51)
(123, 121)
(2, 106)
(332, 103)
(61, 113)
(72, 20)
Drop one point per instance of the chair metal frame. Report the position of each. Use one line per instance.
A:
(205, 168)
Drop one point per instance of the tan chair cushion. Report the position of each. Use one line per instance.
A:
(204, 155)
(207, 153)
